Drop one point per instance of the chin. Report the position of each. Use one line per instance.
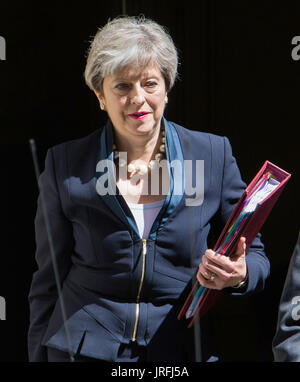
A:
(144, 129)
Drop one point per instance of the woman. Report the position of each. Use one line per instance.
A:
(128, 236)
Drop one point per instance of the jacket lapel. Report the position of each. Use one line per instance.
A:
(105, 181)
(107, 190)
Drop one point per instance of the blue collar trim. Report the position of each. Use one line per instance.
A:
(114, 199)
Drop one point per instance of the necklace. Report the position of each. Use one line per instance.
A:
(143, 168)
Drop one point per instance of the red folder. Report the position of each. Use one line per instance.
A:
(249, 230)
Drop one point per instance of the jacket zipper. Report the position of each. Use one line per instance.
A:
(137, 306)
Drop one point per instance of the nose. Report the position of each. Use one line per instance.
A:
(137, 96)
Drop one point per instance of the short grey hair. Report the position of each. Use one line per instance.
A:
(130, 41)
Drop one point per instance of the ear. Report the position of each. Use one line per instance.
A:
(101, 100)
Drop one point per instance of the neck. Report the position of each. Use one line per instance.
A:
(139, 147)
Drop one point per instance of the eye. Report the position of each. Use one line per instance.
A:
(122, 86)
(151, 84)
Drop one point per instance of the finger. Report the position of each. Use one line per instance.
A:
(204, 271)
(204, 282)
(217, 260)
(219, 272)
(216, 283)
(207, 268)
(240, 249)
(213, 258)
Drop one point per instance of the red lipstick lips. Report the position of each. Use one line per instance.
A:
(139, 115)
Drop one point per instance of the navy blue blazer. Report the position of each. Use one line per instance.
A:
(118, 288)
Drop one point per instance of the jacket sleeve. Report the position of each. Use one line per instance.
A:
(258, 265)
(286, 342)
(43, 292)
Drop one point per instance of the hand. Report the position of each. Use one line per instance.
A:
(218, 271)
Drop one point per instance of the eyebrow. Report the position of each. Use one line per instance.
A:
(132, 79)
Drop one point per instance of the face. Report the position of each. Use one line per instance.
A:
(135, 101)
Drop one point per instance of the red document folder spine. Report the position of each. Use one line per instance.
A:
(250, 230)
